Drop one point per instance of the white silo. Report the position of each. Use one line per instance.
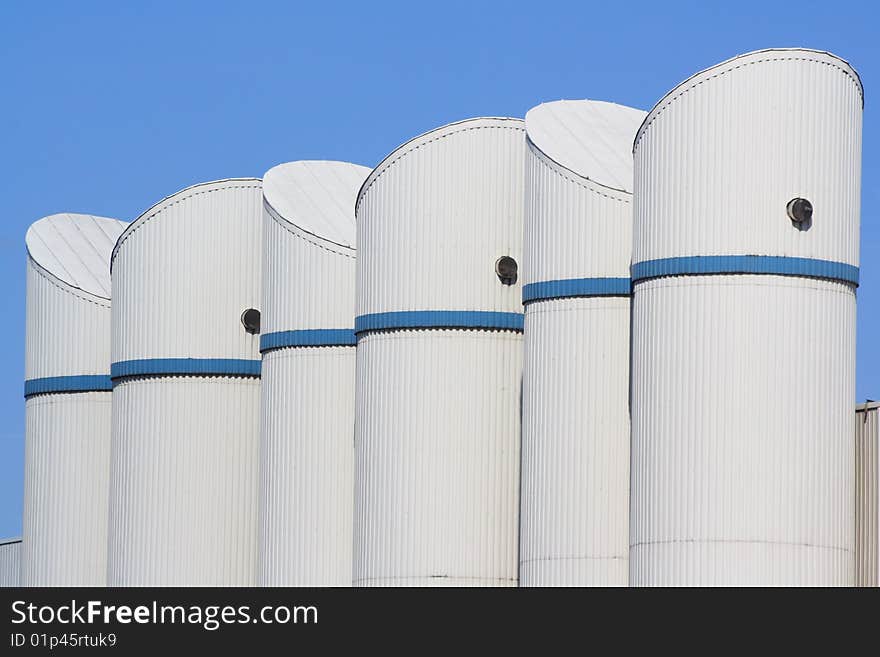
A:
(308, 350)
(867, 479)
(574, 514)
(186, 390)
(745, 264)
(439, 359)
(10, 562)
(67, 407)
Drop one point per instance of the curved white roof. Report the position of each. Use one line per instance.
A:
(433, 135)
(591, 138)
(755, 56)
(75, 249)
(317, 196)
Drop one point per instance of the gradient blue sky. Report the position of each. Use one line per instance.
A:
(108, 107)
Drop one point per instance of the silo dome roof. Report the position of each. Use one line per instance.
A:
(317, 196)
(591, 138)
(75, 249)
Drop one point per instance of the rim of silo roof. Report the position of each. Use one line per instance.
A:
(176, 197)
(10, 541)
(316, 197)
(592, 139)
(755, 55)
(431, 135)
(74, 249)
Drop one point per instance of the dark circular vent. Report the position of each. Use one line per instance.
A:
(506, 270)
(250, 319)
(800, 210)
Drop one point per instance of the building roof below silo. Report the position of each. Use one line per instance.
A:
(591, 138)
(317, 196)
(75, 249)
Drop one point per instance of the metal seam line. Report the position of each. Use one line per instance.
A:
(186, 367)
(72, 383)
(439, 319)
(746, 264)
(576, 287)
(307, 338)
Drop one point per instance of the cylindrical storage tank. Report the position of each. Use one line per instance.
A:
(867, 483)
(574, 513)
(439, 360)
(745, 264)
(10, 562)
(67, 407)
(186, 390)
(308, 350)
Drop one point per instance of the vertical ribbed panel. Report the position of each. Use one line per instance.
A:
(184, 479)
(867, 509)
(436, 214)
(308, 282)
(67, 466)
(718, 159)
(185, 461)
(10, 564)
(437, 458)
(574, 228)
(742, 385)
(307, 432)
(742, 458)
(185, 271)
(575, 449)
(574, 523)
(437, 426)
(67, 436)
(306, 467)
(68, 330)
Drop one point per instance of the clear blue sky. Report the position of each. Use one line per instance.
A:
(108, 107)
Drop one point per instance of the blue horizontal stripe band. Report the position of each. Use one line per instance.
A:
(77, 383)
(746, 264)
(456, 319)
(576, 287)
(307, 338)
(185, 367)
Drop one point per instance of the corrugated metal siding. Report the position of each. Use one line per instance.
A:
(67, 470)
(185, 271)
(438, 411)
(10, 564)
(307, 411)
(59, 317)
(306, 467)
(742, 465)
(719, 158)
(184, 484)
(185, 464)
(575, 459)
(574, 228)
(575, 451)
(437, 458)
(67, 435)
(316, 269)
(867, 481)
(742, 385)
(435, 216)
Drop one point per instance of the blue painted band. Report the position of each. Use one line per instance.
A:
(308, 338)
(78, 383)
(746, 264)
(458, 319)
(576, 287)
(185, 366)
